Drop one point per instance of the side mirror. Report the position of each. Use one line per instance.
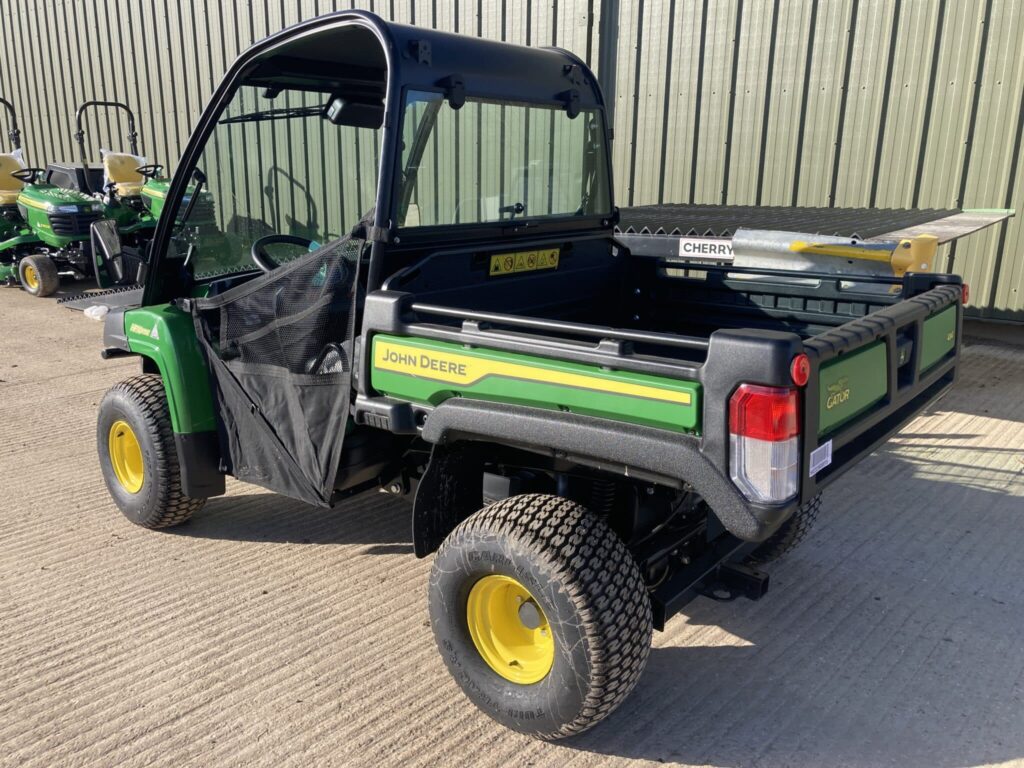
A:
(107, 253)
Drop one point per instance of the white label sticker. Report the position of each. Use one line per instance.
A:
(706, 248)
(821, 457)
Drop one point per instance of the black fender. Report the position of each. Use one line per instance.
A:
(450, 490)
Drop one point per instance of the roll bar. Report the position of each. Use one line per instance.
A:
(133, 136)
(14, 134)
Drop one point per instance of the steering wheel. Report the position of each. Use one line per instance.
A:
(264, 260)
(28, 175)
(150, 171)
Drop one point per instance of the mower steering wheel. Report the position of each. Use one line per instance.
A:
(28, 175)
(150, 171)
(265, 261)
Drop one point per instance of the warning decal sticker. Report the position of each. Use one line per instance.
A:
(523, 261)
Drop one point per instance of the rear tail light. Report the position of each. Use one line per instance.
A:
(764, 442)
(965, 293)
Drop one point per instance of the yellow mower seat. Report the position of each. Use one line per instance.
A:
(128, 188)
(120, 168)
(10, 187)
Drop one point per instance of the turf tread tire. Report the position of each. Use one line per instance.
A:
(172, 506)
(789, 536)
(46, 273)
(601, 578)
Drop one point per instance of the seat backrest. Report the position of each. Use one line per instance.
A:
(8, 165)
(120, 167)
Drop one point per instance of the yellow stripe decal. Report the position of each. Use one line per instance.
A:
(466, 370)
(33, 204)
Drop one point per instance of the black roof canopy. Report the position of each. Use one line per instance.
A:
(329, 51)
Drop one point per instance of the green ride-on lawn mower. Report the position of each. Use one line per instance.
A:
(125, 177)
(12, 225)
(132, 192)
(590, 437)
(126, 185)
(44, 229)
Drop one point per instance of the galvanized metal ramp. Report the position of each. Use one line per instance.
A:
(112, 298)
(836, 241)
(955, 226)
(722, 221)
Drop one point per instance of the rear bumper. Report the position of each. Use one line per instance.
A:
(663, 457)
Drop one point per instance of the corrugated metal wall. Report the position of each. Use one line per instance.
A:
(887, 103)
(773, 102)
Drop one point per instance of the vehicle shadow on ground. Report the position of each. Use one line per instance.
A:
(383, 522)
(887, 641)
(70, 288)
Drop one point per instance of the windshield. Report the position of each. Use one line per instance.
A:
(275, 165)
(498, 161)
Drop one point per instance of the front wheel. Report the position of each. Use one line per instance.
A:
(138, 456)
(38, 275)
(540, 614)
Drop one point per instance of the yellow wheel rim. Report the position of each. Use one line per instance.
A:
(126, 456)
(31, 277)
(510, 630)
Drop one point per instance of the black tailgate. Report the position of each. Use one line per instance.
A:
(872, 375)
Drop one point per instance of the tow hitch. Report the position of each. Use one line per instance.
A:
(734, 580)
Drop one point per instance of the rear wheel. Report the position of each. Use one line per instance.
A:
(38, 275)
(138, 455)
(540, 614)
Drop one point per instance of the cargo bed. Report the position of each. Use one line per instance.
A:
(461, 346)
(638, 309)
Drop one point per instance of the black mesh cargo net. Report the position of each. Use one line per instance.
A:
(280, 352)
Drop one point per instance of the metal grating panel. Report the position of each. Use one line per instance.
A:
(723, 220)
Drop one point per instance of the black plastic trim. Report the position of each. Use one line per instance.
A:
(114, 336)
(562, 326)
(625, 449)
(109, 353)
(199, 461)
(395, 416)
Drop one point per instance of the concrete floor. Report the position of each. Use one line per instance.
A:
(266, 632)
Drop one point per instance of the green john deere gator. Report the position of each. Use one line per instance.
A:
(590, 438)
